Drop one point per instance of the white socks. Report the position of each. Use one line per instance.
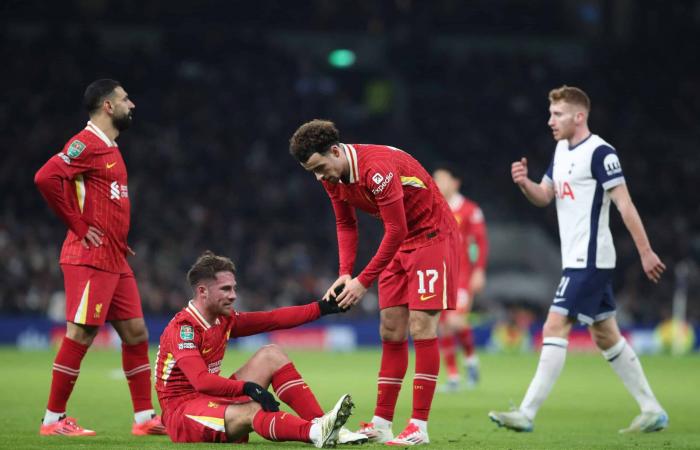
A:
(144, 416)
(625, 363)
(51, 417)
(548, 370)
(381, 422)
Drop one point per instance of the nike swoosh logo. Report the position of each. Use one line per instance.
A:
(559, 300)
(205, 351)
(110, 165)
(424, 298)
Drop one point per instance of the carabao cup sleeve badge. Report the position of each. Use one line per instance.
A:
(75, 149)
(186, 333)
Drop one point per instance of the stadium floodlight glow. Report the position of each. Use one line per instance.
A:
(341, 58)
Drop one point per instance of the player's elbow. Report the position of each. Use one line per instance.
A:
(40, 178)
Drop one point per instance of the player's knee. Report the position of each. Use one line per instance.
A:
(135, 336)
(393, 330)
(81, 334)
(273, 355)
(555, 329)
(422, 326)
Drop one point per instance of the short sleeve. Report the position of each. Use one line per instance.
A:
(384, 182)
(606, 168)
(186, 341)
(76, 158)
(549, 174)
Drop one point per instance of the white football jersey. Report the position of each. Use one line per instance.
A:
(581, 177)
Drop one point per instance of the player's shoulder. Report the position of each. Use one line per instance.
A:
(84, 141)
(596, 141)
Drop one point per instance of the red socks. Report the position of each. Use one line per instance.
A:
(66, 368)
(427, 368)
(293, 391)
(466, 339)
(281, 426)
(447, 347)
(138, 374)
(391, 373)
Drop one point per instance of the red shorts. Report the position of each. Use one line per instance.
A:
(201, 419)
(424, 278)
(94, 296)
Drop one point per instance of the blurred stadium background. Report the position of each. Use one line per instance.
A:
(220, 86)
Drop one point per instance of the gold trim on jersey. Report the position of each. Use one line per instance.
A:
(412, 181)
(80, 191)
(81, 313)
(215, 423)
(197, 315)
(168, 365)
(351, 155)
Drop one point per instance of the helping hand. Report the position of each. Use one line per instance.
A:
(353, 292)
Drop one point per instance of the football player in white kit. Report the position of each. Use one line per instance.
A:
(584, 176)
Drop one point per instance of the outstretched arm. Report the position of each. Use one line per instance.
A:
(250, 323)
(538, 194)
(652, 265)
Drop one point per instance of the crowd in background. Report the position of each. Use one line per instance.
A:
(208, 160)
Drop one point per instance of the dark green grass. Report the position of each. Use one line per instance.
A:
(586, 408)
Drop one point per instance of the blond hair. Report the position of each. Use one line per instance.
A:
(571, 95)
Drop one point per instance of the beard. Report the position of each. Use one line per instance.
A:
(121, 123)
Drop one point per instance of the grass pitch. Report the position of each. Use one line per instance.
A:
(585, 409)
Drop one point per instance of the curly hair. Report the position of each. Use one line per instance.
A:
(570, 94)
(207, 266)
(316, 136)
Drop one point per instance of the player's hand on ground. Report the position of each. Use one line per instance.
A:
(652, 266)
(330, 306)
(518, 171)
(92, 237)
(261, 395)
(330, 293)
(353, 292)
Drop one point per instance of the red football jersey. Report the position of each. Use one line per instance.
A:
(94, 188)
(379, 176)
(472, 230)
(189, 334)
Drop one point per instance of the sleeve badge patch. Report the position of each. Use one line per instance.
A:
(186, 333)
(75, 149)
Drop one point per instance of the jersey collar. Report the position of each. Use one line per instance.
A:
(100, 134)
(198, 317)
(351, 155)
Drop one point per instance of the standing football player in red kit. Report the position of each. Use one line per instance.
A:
(86, 186)
(454, 325)
(417, 262)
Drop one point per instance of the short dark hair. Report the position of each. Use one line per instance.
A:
(316, 136)
(96, 93)
(207, 266)
(450, 168)
(570, 94)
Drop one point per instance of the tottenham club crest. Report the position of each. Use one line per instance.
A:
(186, 333)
